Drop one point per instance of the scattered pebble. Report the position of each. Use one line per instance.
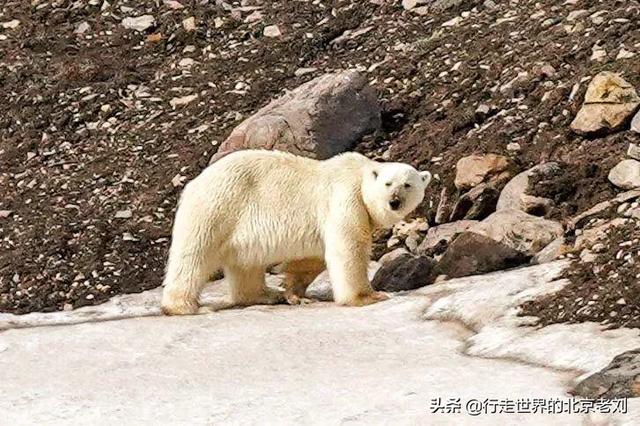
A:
(141, 23)
(272, 31)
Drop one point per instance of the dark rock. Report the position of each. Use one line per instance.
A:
(440, 236)
(319, 119)
(472, 254)
(405, 272)
(619, 379)
(477, 204)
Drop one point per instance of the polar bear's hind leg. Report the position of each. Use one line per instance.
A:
(247, 286)
(184, 282)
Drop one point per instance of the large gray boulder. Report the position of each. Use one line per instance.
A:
(519, 230)
(515, 196)
(319, 119)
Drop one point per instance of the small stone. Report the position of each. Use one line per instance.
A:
(154, 38)
(576, 14)
(513, 146)
(483, 109)
(598, 55)
(633, 151)
(256, 16)
(184, 100)
(5, 213)
(410, 4)
(452, 22)
(304, 71)
(127, 236)
(626, 174)
(10, 25)
(218, 22)
(422, 10)
(124, 214)
(140, 23)
(177, 180)
(82, 28)
(393, 241)
(548, 71)
(625, 54)
(189, 24)
(622, 208)
(173, 4)
(587, 256)
(90, 296)
(68, 307)
(186, 63)
(635, 123)
(272, 31)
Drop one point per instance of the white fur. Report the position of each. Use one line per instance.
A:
(255, 208)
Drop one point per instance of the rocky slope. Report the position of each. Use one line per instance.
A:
(111, 106)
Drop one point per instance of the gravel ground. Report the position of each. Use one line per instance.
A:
(102, 124)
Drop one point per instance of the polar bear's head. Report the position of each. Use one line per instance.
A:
(393, 190)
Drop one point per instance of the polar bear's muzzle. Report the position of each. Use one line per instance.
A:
(395, 203)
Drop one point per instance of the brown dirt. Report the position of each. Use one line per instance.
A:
(605, 290)
(68, 163)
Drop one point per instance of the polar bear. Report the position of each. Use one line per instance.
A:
(298, 275)
(255, 208)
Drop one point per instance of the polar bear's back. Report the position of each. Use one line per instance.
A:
(270, 203)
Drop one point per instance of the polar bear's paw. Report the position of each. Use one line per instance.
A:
(268, 296)
(272, 296)
(180, 308)
(368, 299)
(294, 299)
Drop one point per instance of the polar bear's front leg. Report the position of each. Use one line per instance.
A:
(347, 261)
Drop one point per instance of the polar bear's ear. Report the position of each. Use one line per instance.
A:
(426, 178)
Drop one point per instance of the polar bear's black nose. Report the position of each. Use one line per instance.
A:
(394, 204)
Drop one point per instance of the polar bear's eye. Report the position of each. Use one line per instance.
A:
(388, 184)
(407, 185)
(375, 174)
